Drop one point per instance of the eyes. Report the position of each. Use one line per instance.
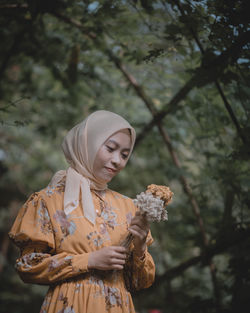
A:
(124, 155)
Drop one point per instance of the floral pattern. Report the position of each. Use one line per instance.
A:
(59, 188)
(44, 219)
(30, 260)
(109, 218)
(50, 190)
(95, 238)
(108, 215)
(129, 217)
(112, 295)
(56, 264)
(78, 287)
(67, 310)
(34, 199)
(63, 299)
(41, 227)
(46, 302)
(67, 227)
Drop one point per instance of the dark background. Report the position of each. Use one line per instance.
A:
(179, 72)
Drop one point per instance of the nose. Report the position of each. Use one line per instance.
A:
(116, 159)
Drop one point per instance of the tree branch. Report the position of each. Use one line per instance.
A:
(218, 248)
(150, 105)
(230, 112)
(85, 30)
(203, 76)
(217, 84)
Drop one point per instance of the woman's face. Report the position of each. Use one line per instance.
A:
(112, 156)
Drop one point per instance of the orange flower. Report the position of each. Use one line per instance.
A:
(162, 192)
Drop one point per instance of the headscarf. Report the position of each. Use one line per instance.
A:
(80, 147)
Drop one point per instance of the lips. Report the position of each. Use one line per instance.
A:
(111, 170)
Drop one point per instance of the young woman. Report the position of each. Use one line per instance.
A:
(70, 233)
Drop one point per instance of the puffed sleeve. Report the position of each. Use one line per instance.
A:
(34, 234)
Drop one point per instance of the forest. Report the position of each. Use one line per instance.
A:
(178, 71)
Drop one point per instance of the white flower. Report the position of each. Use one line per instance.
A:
(151, 207)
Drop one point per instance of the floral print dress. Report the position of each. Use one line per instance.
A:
(55, 248)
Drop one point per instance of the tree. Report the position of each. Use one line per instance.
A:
(178, 71)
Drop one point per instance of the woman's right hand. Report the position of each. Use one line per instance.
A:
(108, 258)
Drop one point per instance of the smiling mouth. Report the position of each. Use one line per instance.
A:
(110, 170)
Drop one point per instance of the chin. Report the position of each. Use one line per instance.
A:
(108, 179)
(105, 179)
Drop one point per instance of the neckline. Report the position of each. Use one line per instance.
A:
(101, 194)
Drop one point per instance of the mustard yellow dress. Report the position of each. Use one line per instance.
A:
(55, 248)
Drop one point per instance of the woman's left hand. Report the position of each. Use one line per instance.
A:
(139, 228)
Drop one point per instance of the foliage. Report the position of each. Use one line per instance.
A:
(61, 60)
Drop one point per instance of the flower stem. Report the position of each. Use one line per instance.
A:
(127, 241)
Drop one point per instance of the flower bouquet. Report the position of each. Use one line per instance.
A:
(151, 204)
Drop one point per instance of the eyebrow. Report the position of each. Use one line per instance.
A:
(117, 145)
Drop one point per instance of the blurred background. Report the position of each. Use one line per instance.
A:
(178, 71)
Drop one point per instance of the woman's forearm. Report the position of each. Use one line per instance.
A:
(43, 268)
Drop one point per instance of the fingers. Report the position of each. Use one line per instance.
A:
(116, 260)
(118, 256)
(139, 224)
(108, 258)
(116, 267)
(139, 220)
(138, 232)
(139, 227)
(119, 249)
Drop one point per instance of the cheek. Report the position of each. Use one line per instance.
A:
(100, 159)
(123, 164)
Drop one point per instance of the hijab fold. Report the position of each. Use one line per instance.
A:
(80, 147)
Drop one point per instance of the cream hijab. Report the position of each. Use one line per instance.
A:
(80, 147)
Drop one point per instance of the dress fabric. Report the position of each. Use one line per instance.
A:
(55, 248)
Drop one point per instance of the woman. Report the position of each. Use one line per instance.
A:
(70, 233)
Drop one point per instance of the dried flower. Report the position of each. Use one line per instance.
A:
(152, 202)
(151, 207)
(163, 192)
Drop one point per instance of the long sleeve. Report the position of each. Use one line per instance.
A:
(143, 271)
(34, 233)
(36, 266)
(140, 272)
